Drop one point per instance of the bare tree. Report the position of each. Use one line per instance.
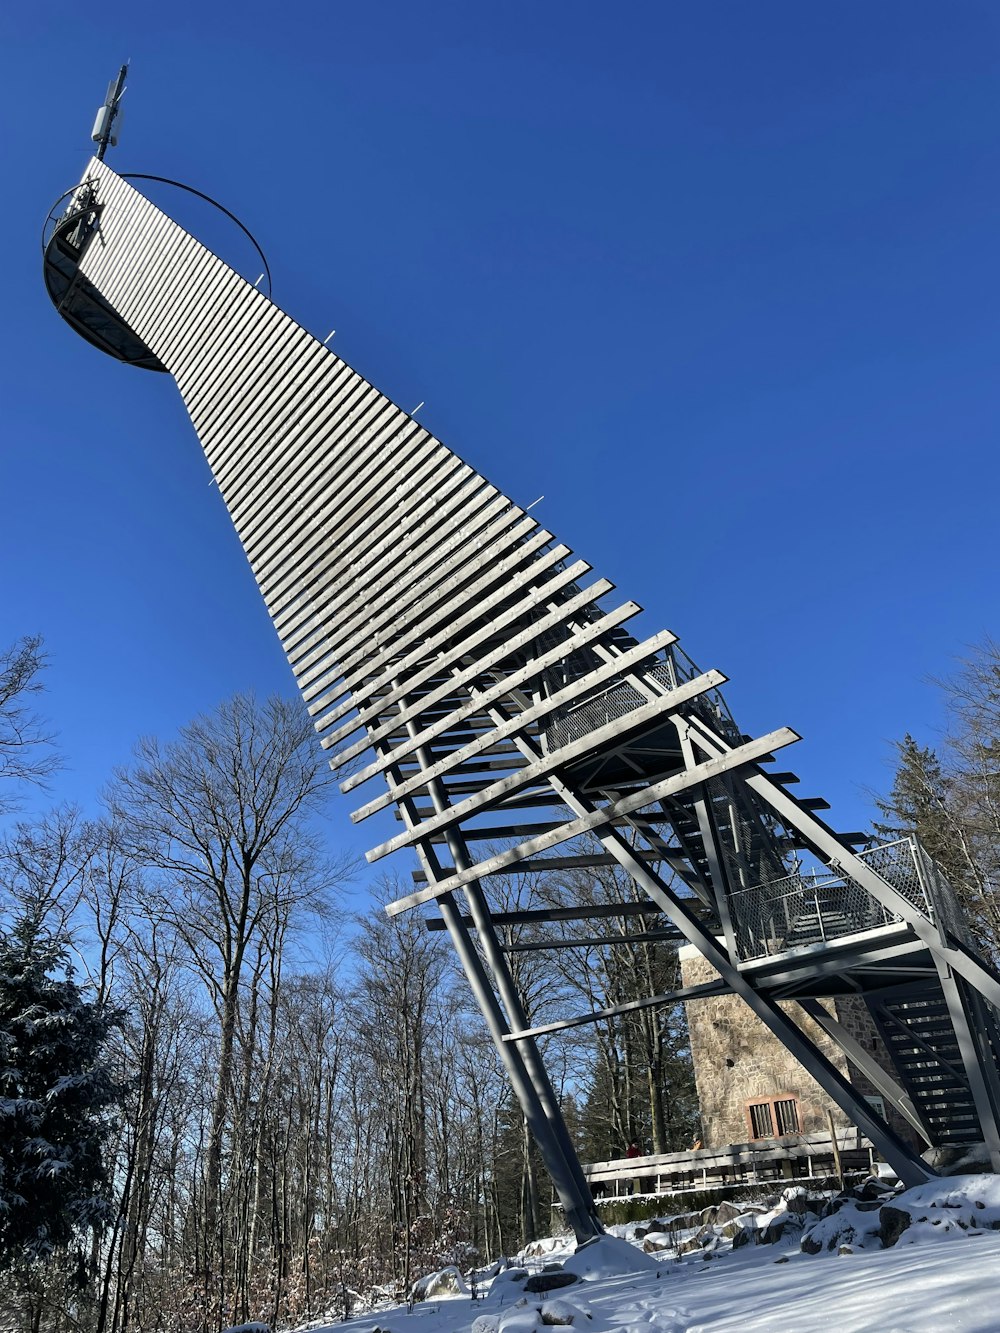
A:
(642, 1086)
(43, 867)
(221, 814)
(399, 973)
(26, 753)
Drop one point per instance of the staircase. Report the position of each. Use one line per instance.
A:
(918, 1033)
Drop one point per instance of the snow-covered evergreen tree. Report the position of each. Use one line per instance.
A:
(54, 1093)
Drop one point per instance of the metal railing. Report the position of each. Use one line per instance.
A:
(620, 698)
(806, 909)
(609, 705)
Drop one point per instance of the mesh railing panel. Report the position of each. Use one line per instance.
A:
(944, 903)
(615, 702)
(619, 699)
(899, 865)
(799, 910)
(746, 840)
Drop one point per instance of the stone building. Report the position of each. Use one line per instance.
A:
(750, 1086)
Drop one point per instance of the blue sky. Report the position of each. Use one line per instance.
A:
(720, 280)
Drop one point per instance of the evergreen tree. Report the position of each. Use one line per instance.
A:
(920, 803)
(952, 803)
(54, 1091)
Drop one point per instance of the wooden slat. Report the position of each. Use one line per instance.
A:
(531, 670)
(462, 674)
(547, 764)
(590, 823)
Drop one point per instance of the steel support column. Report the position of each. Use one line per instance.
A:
(530, 1081)
(983, 1088)
(880, 1079)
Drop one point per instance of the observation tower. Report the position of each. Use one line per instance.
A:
(467, 670)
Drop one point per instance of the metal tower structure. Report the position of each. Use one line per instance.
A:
(448, 645)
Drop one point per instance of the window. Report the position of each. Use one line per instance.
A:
(786, 1115)
(770, 1117)
(761, 1125)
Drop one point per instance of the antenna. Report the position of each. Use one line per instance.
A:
(109, 117)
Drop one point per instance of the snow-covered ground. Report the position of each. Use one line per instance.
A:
(941, 1275)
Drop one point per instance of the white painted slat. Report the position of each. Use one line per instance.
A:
(473, 605)
(308, 555)
(498, 542)
(747, 753)
(354, 590)
(373, 623)
(540, 768)
(516, 680)
(461, 671)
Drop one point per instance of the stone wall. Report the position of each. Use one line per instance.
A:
(737, 1060)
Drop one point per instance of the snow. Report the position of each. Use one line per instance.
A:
(607, 1257)
(938, 1276)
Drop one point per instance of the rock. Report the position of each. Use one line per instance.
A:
(703, 1238)
(446, 1282)
(641, 1232)
(743, 1230)
(536, 1248)
(656, 1241)
(550, 1281)
(892, 1223)
(521, 1318)
(798, 1201)
(961, 1160)
(744, 1225)
(485, 1323)
(845, 1249)
(873, 1189)
(507, 1286)
(608, 1256)
(809, 1246)
(709, 1215)
(728, 1212)
(560, 1312)
(776, 1228)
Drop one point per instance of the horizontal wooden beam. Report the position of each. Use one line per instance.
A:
(516, 724)
(593, 742)
(747, 753)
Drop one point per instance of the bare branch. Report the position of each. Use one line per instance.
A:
(26, 753)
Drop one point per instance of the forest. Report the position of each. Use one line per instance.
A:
(227, 1097)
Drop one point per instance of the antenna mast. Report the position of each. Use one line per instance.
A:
(109, 117)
